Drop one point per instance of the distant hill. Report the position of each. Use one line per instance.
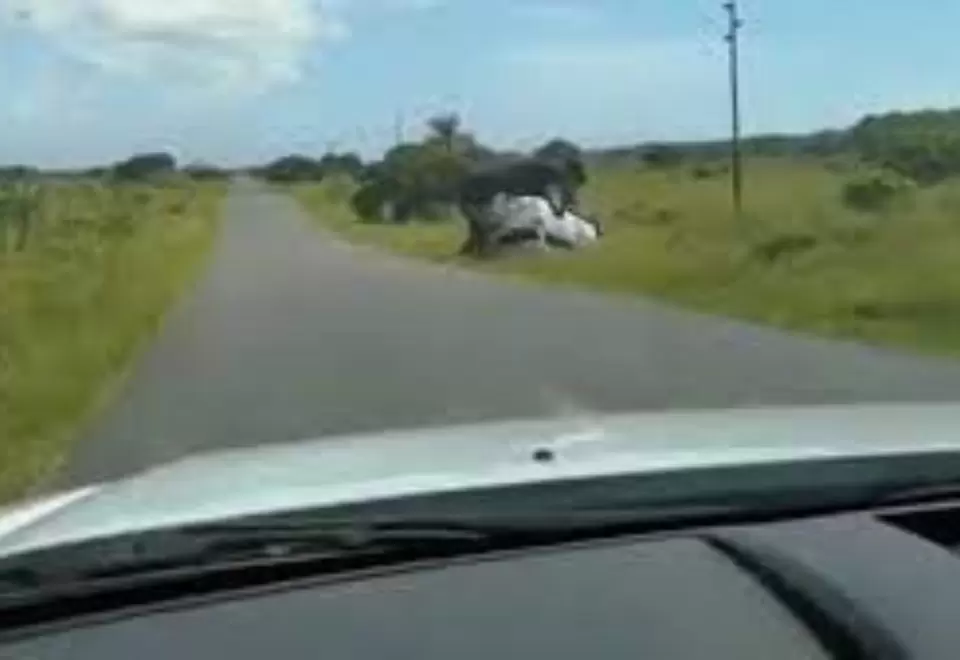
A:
(821, 143)
(923, 144)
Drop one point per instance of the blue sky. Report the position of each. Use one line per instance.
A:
(87, 81)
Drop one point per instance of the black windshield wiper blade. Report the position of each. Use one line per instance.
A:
(299, 539)
(212, 558)
(232, 544)
(336, 544)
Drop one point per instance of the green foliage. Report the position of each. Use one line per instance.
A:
(419, 180)
(17, 173)
(924, 146)
(205, 172)
(876, 191)
(348, 164)
(370, 200)
(20, 213)
(709, 170)
(291, 169)
(800, 259)
(784, 246)
(145, 167)
(102, 264)
(299, 168)
(446, 127)
(662, 156)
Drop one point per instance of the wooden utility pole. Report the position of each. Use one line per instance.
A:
(736, 157)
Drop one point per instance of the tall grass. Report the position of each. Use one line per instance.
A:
(100, 266)
(798, 258)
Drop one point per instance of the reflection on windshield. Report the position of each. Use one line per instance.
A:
(229, 225)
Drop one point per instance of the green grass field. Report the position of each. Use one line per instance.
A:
(100, 267)
(798, 258)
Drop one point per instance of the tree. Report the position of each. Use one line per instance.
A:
(924, 146)
(292, 169)
(144, 167)
(18, 173)
(204, 172)
(876, 191)
(97, 172)
(445, 127)
(349, 164)
(662, 155)
(421, 179)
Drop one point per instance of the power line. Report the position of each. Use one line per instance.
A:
(735, 23)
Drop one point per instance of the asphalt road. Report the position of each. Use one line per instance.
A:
(292, 334)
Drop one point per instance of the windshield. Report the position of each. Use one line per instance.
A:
(249, 250)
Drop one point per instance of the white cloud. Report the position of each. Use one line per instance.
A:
(224, 43)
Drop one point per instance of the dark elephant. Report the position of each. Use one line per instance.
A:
(556, 181)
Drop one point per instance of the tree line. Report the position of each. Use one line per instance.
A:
(923, 146)
(419, 178)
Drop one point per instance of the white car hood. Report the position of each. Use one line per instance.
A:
(334, 471)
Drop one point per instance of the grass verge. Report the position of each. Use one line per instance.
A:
(797, 259)
(99, 270)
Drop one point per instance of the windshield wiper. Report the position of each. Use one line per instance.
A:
(232, 545)
(327, 545)
(168, 565)
(272, 548)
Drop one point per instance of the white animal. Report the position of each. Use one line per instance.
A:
(532, 218)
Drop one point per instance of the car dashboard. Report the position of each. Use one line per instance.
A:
(851, 585)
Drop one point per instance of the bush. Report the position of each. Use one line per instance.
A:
(145, 167)
(701, 172)
(205, 172)
(924, 146)
(419, 180)
(784, 246)
(348, 164)
(412, 181)
(292, 169)
(875, 191)
(662, 156)
(368, 202)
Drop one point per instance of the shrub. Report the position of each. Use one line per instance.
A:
(412, 181)
(348, 165)
(701, 172)
(662, 156)
(924, 146)
(145, 167)
(205, 172)
(291, 169)
(368, 201)
(784, 246)
(875, 191)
